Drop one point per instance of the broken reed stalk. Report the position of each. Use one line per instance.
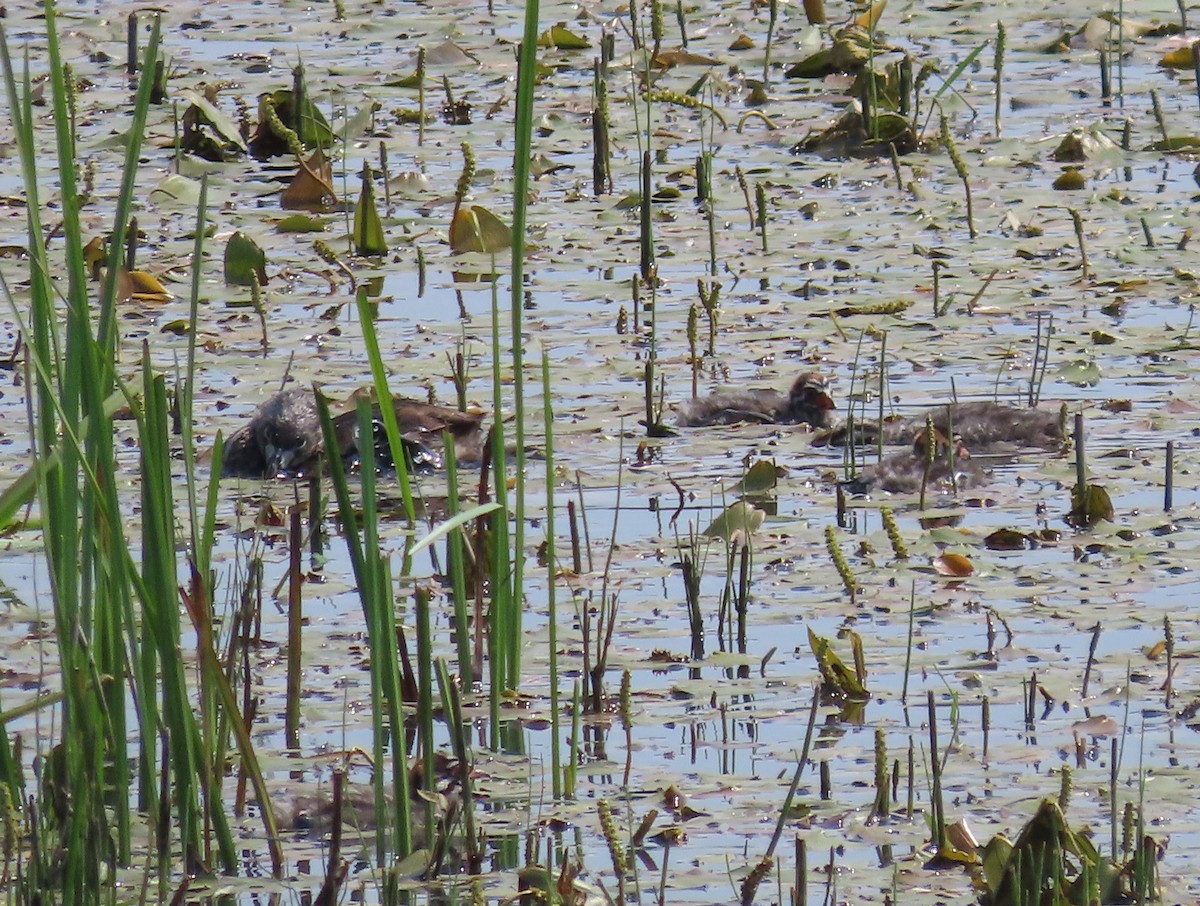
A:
(383, 168)
(626, 715)
(587, 534)
(882, 391)
(1080, 457)
(998, 65)
(1146, 233)
(295, 622)
(831, 881)
(1169, 645)
(645, 223)
(424, 718)
(985, 720)
(1114, 766)
(1083, 258)
(754, 878)
(908, 648)
(800, 893)
(551, 577)
(1041, 354)
(316, 504)
(1169, 478)
(760, 204)
(882, 807)
(691, 592)
(911, 805)
(131, 44)
(896, 166)
(601, 153)
(1087, 671)
(960, 167)
(573, 525)
(741, 599)
(745, 187)
(1160, 118)
(693, 327)
(710, 295)
(131, 245)
(772, 21)
(1105, 78)
(939, 806)
(1195, 63)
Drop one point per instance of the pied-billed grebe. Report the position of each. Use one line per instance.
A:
(807, 402)
(283, 438)
(983, 426)
(904, 471)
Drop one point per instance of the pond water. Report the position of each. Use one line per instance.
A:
(727, 730)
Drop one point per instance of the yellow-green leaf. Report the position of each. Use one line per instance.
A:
(368, 230)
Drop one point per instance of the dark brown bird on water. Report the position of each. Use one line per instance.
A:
(806, 403)
(904, 472)
(283, 438)
(983, 427)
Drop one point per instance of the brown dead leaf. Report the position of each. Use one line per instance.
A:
(954, 565)
(311, 189)
(1100, 725)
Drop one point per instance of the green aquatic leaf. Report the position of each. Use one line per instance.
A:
(244, 261)
(739, 519)
(368, 230)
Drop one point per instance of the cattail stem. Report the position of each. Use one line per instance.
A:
(1169, 478)
(1001, 42)
(1078, 223)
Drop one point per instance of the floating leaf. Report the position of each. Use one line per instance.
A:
(837, 678)
(141, 287)
(359, 123)
(870, 18)
(448, 54)
(476, 229)
(301, 223)
(1071, 180)
(1097, 725)
(540, 165)
(562, 38)
(740, 519)
(368, 231)
(1179, 58)
(1006, 540)
(759, 478)
(410, 184)
(311, 189)
(1089, 506)
(223, 124)
(667, 59)
(244, 261)
(178, 189)
(742, 42)
(953, 565)
(1080, 373)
